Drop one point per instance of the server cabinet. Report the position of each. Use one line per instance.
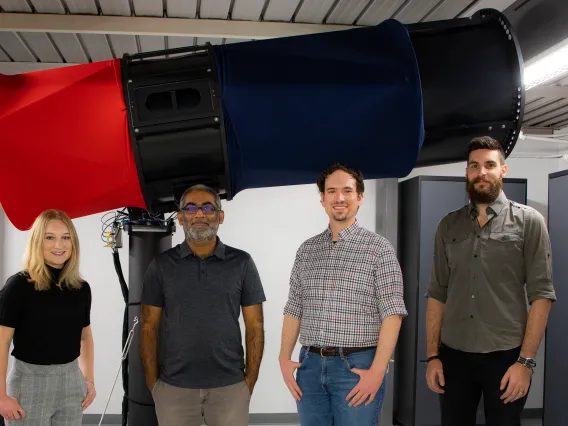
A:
(556, 344)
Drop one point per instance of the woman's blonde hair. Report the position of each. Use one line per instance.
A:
(34, 261)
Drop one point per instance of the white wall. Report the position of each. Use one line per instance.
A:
(536, 172)
(269, 223)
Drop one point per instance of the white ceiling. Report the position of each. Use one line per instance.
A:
(57, 47)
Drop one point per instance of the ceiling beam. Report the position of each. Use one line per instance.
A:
(97, 24)
(547, 91)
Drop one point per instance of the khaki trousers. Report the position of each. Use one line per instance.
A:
(225, 406)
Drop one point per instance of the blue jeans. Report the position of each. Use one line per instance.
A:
(325, 382)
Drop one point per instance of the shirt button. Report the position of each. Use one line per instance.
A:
(478, 236)
(473, 296)
(474, 255)
(471, 316)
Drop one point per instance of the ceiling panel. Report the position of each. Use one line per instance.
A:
(247, 10)
(540, 107)
(82, 6)
(536, 108)
(181, 8)
(379, 11)
(314, 11)
(97, 47)
(15, 6)
(544, 109)
(48, 6)
(148, 7)
(214, 9)
(175, 41)
(556, 122)
(347, 11)
(415, 11)
(70, 47)
(556, 110)
(448, 9)
(14, 47)
(152, 43)
(115, 7)
(4, 57)
(122, 44)
(532, 96)
(202, 40)
(42, 46)
(562, 124)
(281, 10)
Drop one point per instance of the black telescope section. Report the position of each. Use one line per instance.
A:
(147, 240)
(470, 71)
(176, 123)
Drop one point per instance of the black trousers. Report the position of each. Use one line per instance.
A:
(468, 376)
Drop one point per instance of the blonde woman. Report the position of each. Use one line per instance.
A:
(45, 311)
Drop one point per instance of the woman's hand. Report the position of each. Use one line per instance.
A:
(10, 408)
(91, 394)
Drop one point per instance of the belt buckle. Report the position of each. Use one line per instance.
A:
(321, 353)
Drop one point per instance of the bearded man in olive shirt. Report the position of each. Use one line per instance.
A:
(490, 258)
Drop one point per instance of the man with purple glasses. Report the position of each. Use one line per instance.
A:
(201, 285)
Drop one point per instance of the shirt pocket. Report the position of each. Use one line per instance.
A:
(457, 247)
(504, 243)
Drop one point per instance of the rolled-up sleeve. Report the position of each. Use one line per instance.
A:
(440, 275)
(538, 258)
(294, 305)
(389, 284)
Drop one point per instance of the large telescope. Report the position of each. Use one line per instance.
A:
(135, 132)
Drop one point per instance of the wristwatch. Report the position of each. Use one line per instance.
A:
(527, 362)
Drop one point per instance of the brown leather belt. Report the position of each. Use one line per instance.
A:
(335, 351)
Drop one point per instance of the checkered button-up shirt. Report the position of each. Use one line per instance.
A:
(342, 291)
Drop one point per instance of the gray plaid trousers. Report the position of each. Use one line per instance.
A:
(51, 395)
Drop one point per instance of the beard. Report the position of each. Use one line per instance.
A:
(195, 234)
(484, 196)
(340, 216)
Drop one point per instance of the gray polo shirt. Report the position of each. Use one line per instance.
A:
(485, 276)
(201, 299)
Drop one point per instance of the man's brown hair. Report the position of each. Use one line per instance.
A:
(356, 174)
(486, 142)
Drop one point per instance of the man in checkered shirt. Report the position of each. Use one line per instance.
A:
(346, 304)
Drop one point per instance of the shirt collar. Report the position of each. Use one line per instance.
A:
(345, 233)
(219, 251)
(495, 207)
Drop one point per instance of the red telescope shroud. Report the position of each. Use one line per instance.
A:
(67, 133)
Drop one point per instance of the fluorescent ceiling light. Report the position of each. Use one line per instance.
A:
(550, 64)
